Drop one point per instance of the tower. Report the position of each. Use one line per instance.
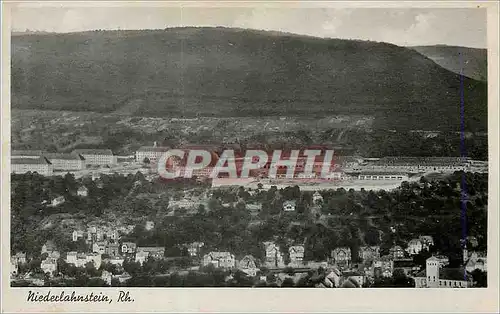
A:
(432, 272)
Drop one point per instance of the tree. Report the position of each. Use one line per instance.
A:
(480, 278)
(287, 283)
(90, 270)
(146, 161)
(201, 209)
(401, 280)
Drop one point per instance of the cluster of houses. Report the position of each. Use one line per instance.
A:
(82, 191)
(44, 163)
(371, 264)
(106, 247)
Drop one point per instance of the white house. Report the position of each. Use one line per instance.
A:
(342, 256)
(296, 254)
(150, 225)
(289, 206)
(219, 259)
(415, 246)
(317, 198)
(141, 257)
(128, 247)
(82, 191)
(274, 257)
(49, 265)
(248, 265)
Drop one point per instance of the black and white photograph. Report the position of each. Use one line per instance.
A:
(247, 147)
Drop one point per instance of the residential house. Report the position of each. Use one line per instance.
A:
(444, 260)
(76, 234)
(94, 234)
(355, 277)
(342, 256)
(194, 248)
(14, 267)
(112, 249)
(20, 258)
(437, 276)
(317, 198)
(150, 225)
(384, 266)
(96, 157)
(274, 257)
(66, 162)
(350, 282)
(115, 260)
(128, 247)
(477, 260)
(95, 258)
(81, 259)
(289, 206)
(54, 254)
(141, 257)
(49, 265)
(296, 255)
(112, 234)
(48, 247)
(219, 259)
(72, 258)
(123, 277)
(58, 201)
(333, 278)
(367, 253)
(397, 252)
(40, 165)
(427, 241)
(406, 265)
(472, 241)
(82, 191)
(415, 246)
(99, 247)
(153, 251)
(248, 265)
(106, 276)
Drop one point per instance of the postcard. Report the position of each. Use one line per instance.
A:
(250, 156)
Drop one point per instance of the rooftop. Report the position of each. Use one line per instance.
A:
(159, 149)
(403, 263)
(92, 151)
(62, 156)
(26, 153)
(30, 161)
(453, 274)
(219, 254)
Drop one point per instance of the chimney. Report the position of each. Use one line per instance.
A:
(154, 144)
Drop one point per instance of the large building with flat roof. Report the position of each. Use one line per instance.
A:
(96, 157)
(66, 162)
(34, 154)
(40, 165)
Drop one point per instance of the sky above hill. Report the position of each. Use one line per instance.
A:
(405, 27)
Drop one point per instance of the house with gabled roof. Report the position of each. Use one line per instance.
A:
(219, 259)
(296, 253)
(248, 265)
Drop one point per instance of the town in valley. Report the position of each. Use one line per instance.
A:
(394, 100)
(91, 218)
